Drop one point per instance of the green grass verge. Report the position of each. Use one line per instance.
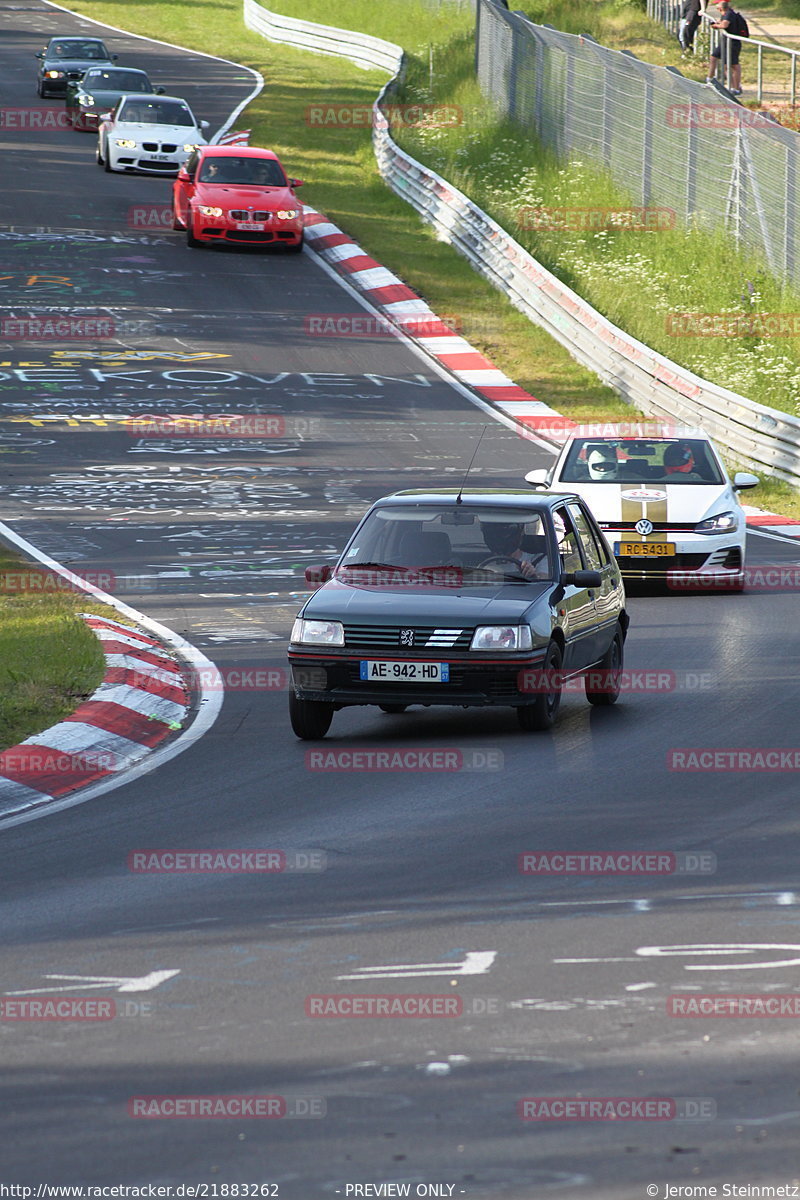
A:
(49, 659)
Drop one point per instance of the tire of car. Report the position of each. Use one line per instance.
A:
(191, 240)
(176, 224)
(107, 161)
(393, 709)
(311, 719)
(296, 249)
(98, 158)
(543, 712)
(610, 671)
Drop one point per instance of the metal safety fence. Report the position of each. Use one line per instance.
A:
(751, 433)
(667, 140)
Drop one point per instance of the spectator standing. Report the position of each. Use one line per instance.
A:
(729, 48)
(690, 19)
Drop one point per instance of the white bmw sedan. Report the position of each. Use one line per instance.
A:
(663, 499)
(153, 134)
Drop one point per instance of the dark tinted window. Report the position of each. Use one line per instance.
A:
(155, 112)
(264, 172)
(64, 48)
(117, 81)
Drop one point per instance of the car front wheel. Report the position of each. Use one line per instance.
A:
(603, 682)
(191, 240)
(107, 160)
(311, 719)
(544, 710)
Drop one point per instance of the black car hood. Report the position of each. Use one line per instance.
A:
(493, 604)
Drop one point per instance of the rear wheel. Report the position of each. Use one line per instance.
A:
(544, 710)
(603, 682)
(311, 719)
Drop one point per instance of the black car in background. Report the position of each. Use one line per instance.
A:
(65, 59)
(100, 89)
(470, 598)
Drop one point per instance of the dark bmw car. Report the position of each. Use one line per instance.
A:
(100, 89)
(65, 59)
(467, 598)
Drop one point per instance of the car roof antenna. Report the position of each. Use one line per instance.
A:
(469, 468)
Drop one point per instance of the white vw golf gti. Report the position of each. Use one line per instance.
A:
(664, 500)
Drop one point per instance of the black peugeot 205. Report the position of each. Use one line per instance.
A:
(469, 598)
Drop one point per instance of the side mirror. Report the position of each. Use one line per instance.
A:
(159, 91)
(39, 55)
(743, 480)
(293, 183)
(204, 125)
(538, 478)
(316, 576)
(114, 57)
(581, 579)
(104, 117)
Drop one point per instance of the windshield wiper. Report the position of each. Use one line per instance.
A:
(377, 566)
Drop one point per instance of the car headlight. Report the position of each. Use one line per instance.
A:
(721, 523)
(55, 74)
(126, 143)
(209, 211)
(286, 214)
(189, 147)
(86, 101)
(502, 637)
(318, 633)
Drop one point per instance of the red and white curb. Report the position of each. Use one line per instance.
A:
(769, 522)
(143, 698)
(411, 315)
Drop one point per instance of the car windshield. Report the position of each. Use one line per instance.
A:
(640, 460)
(260, 172)
(155, 112)
(467, 546)
(117, 81)
(81, 49)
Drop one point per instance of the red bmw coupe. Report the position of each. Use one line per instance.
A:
(237, 194)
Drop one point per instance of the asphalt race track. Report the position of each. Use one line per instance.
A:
(416, 872)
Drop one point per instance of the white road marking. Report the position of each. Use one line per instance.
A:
(81, 983)
(726, 948)
(477, 962)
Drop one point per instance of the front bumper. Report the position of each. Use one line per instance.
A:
(142, 160)
(283, 233)
(695, 556)
(473, 683)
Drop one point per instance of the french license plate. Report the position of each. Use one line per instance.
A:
(645, 549)
(413, 672)
(249, 224)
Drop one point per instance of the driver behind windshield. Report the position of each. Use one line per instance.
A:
(505, 543)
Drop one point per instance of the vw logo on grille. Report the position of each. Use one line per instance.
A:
(644, 527)
(406, 637)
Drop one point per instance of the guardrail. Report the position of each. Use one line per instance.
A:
(753, 434)
(369, 53)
